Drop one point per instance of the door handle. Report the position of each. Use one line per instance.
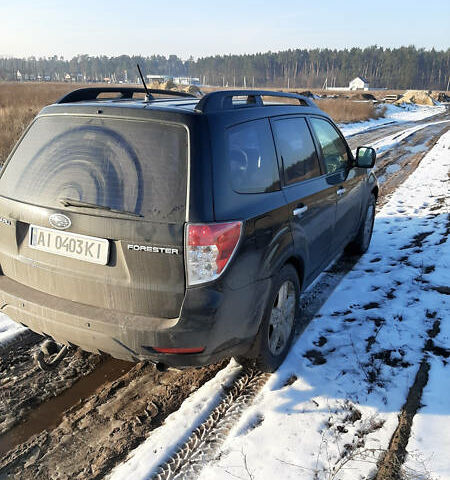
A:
(341, 191)
(298, 212)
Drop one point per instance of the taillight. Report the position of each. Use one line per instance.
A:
(209, 248)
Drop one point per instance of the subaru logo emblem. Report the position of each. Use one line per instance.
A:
(59, 221)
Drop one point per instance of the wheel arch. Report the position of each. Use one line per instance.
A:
(375, 191)
(299, 265)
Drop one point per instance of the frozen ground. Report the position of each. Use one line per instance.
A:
(429, 444)
(393, 114)
(332, 407)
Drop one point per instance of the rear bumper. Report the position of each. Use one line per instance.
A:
(223, 321)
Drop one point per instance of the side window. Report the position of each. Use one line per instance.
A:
(334, 151)
(252, 159)
(296, 148)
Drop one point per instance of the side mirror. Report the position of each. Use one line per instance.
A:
(365, 157)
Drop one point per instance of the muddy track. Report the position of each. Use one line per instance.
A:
(23, 386)
(116, 408)
(395, 164)
(95, 436)
(390, 464)
(202, 445)
(369, 136)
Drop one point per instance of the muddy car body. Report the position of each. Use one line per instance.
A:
(172, 228)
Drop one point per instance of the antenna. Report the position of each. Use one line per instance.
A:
(148, 96)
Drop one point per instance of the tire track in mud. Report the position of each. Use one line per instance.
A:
(23, 386)
(95, 436)
(390, 464)
(49, 413)
(203, 443)
(379, 132)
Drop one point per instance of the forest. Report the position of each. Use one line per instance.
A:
(396, 68)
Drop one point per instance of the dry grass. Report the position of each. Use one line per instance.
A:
(19, 104)
(346, 107)
(345, 110)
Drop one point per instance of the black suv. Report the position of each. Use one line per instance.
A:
(177, 229)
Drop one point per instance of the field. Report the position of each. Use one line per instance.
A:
(20, 102)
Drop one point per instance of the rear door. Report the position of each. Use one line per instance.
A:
(337, 163)
(120, 185)
(311, 200)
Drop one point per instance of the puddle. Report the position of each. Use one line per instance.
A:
(49, 414)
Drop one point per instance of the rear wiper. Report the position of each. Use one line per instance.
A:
(70, 202)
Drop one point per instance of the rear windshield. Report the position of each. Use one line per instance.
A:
(130, 165)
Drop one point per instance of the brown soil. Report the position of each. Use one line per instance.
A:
(95, 436)
(391, 462)
(23, 386)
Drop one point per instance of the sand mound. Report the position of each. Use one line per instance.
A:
(169, 85)
(192, 89)
(420, 97)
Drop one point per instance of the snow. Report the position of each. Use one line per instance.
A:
(386, 143)
(333, 405)
(339, 414)
(165, 440)
(8, 329)
(429, 444)
(430, 435)
(393, 114)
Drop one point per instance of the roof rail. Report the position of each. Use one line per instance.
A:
(84, 94)
(223, 99)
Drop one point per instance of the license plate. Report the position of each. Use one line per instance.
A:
(81, 247)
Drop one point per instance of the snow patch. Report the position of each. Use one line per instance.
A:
(393, 114)
(9, 329)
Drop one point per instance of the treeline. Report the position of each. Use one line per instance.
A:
(397, 68)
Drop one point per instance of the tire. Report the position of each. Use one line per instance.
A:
(362, 240)
(278, 323)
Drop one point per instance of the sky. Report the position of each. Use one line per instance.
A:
(201, 28)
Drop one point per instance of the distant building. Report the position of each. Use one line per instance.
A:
(19, 76)
(187, 81)
(158, 78)
(358, 83)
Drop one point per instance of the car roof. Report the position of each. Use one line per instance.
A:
(221, 102)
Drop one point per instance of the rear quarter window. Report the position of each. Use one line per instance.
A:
(251, 157)
(296, 149)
